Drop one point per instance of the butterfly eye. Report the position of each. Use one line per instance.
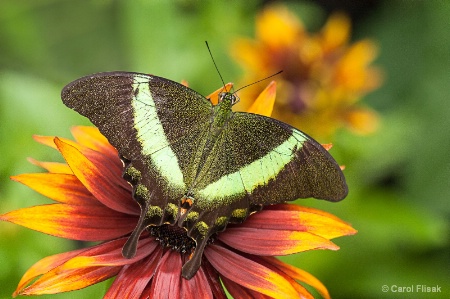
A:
(222, 95)
(235, 99)
(230, 96)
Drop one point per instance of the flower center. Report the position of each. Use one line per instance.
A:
(174, 237)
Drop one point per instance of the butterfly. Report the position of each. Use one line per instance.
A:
(197, 165)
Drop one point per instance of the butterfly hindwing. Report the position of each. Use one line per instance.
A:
(295, 166)
(264, 161)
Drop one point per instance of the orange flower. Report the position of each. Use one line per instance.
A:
(323, 76)
(94, 203)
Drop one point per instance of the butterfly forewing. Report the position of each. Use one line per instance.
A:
(154, 123)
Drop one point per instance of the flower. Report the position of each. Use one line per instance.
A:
(94, 203)
(323, 78)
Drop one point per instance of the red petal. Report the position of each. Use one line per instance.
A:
(110, 254)
(248, 273)
(86, 223)
(64, 188)
(166, 282)
(196, 287)
(110, 161)
(213, 280)
(64, 278)
(53, 282)
(146, 291)
(43, 266)
(113, 165)
(299, 274)
(99, 180)
(302, 292)
(133, 278)
(239, 292)
(294, 217)
(87, 267)
(273, 242)
(106, 152)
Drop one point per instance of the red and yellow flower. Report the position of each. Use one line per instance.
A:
(91, 202)
(324, 76)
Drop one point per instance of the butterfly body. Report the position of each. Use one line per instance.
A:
(199, 165)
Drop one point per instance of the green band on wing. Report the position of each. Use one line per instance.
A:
(255, 174)
(151, 136)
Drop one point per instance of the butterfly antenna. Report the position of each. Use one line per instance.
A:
(217, 69)
(258, 81)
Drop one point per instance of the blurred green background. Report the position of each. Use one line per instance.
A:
(399, 177)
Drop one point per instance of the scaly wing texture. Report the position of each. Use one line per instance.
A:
(156, 125)
(266, 161)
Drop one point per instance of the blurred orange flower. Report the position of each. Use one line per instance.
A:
(324, 76)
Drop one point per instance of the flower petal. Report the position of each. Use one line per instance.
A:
(214, 96)
(273, 242)
(248, 273)
(45, 140)
(327, 146)
(299, 274)
(111, 162)
(133, 279)
(50, 141)
(64, 188)
(93, 139)
(336, 32)
(86, 223)
(43, 266)
(166, 282)
(213, 280)
(239, 292)
(263, 105)
(98, 179)
(294, 217)
(196, 287)
(276, 27)
(110, 254)
(52, 282)
(112, 165)
(352, 72)
(54, 167)
(301, 290)
(88, 267)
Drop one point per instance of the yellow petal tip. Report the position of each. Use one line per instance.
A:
(264, 103)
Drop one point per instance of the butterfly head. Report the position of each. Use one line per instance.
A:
(228, 96)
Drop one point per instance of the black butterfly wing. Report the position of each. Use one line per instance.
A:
(264, 161)
(156, 125)
(294, 166)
